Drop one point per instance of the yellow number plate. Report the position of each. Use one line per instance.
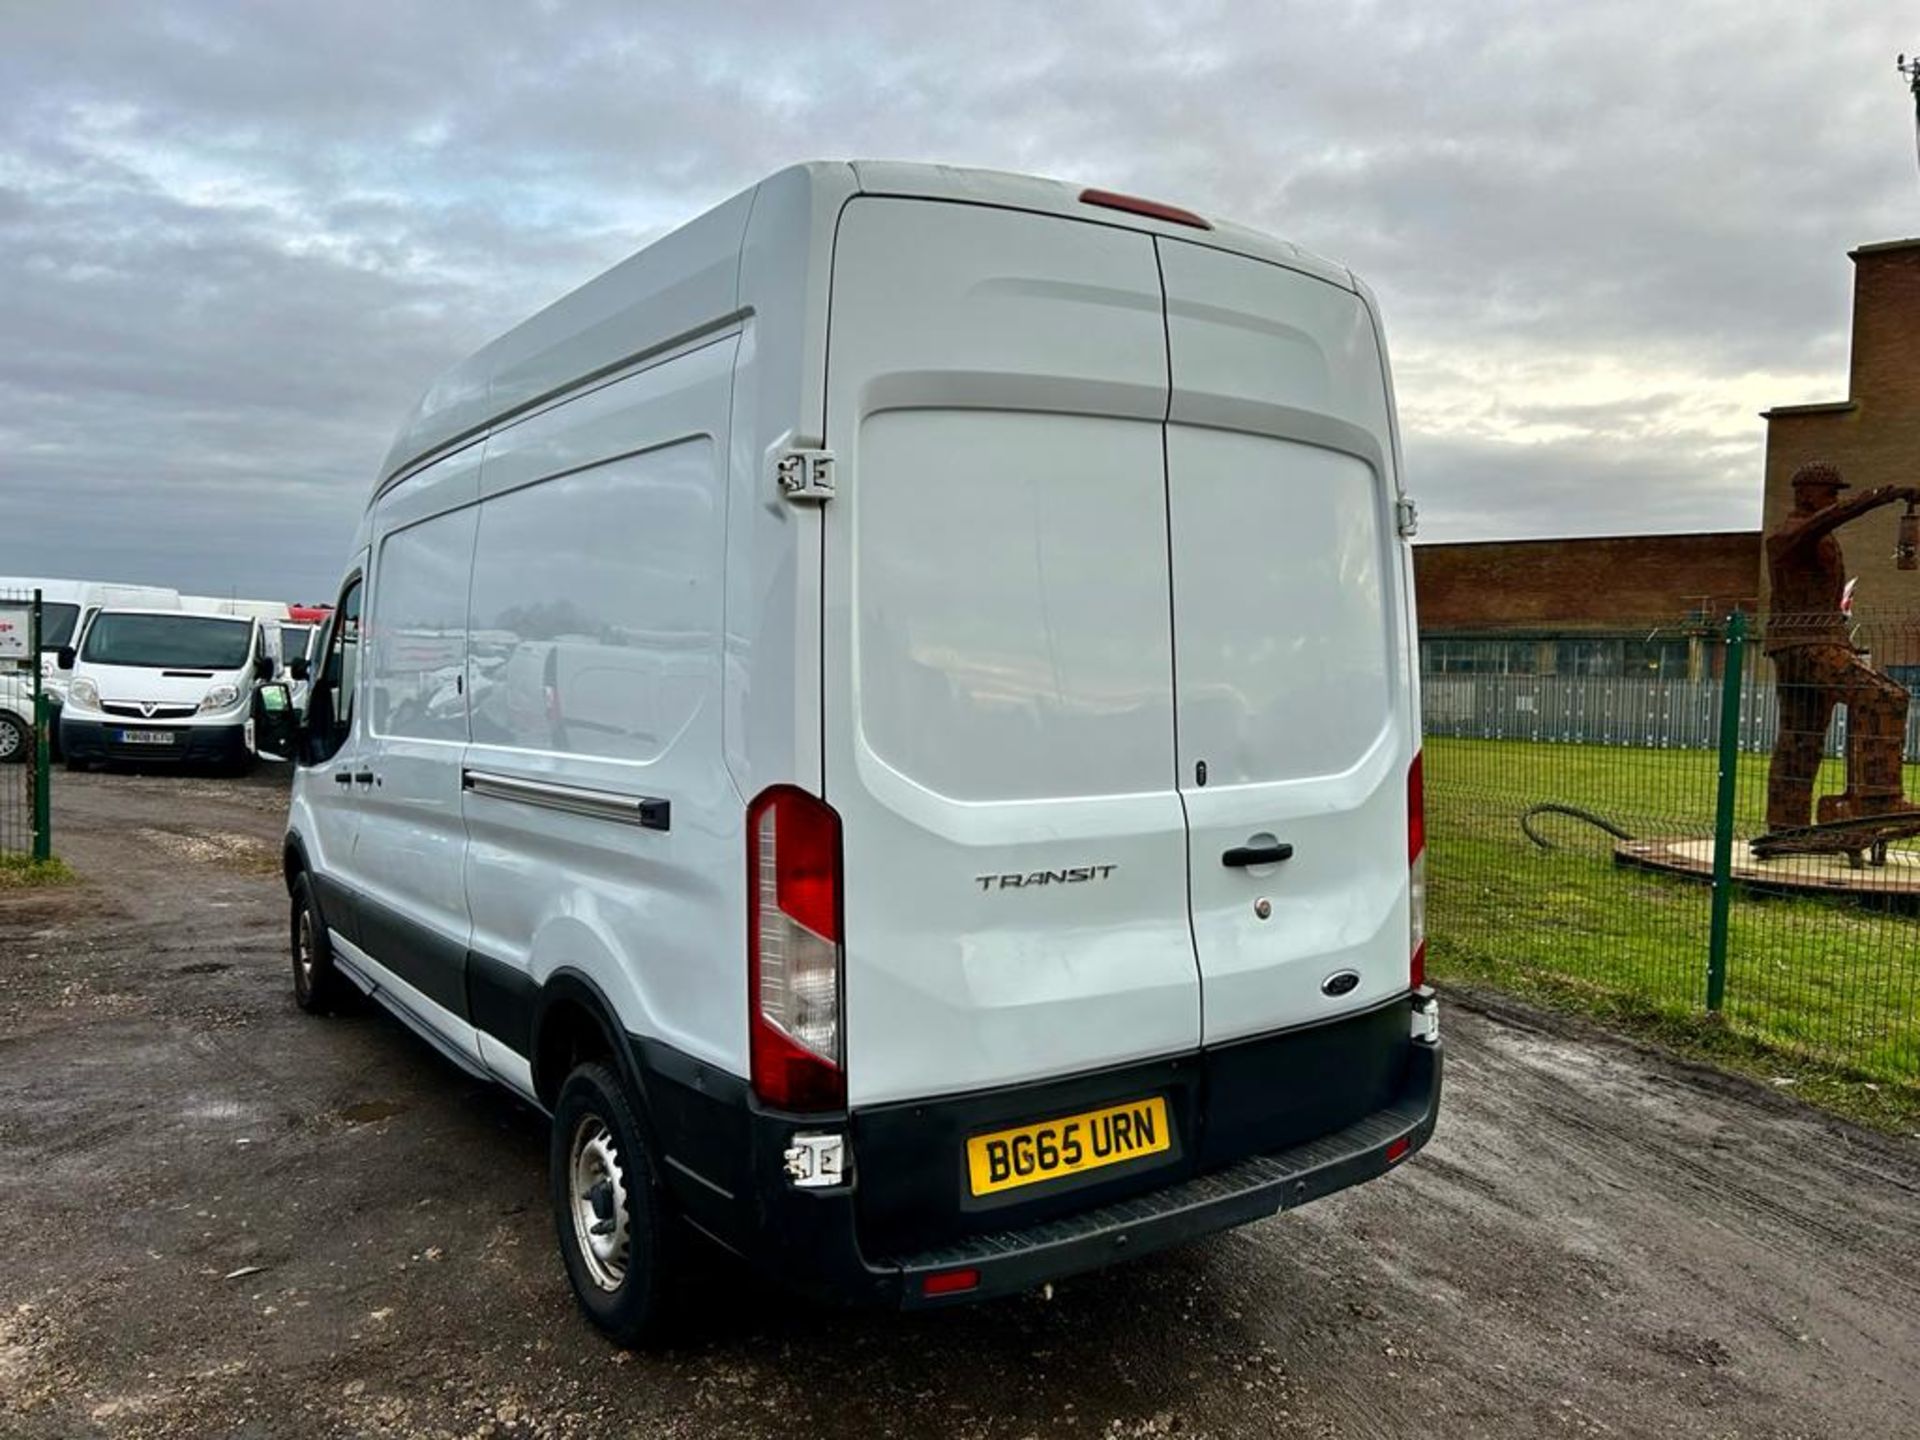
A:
(1028, 1154)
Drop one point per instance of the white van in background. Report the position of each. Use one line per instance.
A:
(292, 644)
(65, 608)
(891, 714)
(168, 686)
(16, 717)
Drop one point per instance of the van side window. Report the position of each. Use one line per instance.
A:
(330, 711)
(418, 630)
(596, 612)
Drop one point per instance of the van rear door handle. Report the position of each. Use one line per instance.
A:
(363, 777)
(341, 777)
(1258, 854)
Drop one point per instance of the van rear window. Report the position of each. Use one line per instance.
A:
(168, 642)
(1014, 636)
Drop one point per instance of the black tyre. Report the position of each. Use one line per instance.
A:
(16, 739)
(317, 986)
(609, 1212)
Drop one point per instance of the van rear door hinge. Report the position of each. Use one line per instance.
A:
(806, 476)
(1406, 516)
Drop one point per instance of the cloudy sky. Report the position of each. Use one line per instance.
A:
(237, 240)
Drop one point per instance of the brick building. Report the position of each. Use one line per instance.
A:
(1609, 605)
(1874, 434)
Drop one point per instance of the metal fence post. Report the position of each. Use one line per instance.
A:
(42, 758)
(1723, 812)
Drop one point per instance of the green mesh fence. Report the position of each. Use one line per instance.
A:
(1575, 817)
(25, 811)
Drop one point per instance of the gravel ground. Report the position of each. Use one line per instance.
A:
(221, 1217)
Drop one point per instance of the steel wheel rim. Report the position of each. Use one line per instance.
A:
(597, 1201)
(9, 739)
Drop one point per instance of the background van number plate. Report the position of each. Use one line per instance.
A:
(1028, 1154)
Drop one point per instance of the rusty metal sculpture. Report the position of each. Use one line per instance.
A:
(1817, 667)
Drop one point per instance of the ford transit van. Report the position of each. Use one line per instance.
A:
(891, 716)
(173, 686)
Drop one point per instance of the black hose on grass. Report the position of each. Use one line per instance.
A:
(1551, 808)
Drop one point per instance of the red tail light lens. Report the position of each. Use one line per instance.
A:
(793, 950)
(1416, 874)
(1153, 209)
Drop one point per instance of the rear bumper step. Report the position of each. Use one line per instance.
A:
(726, 1163)
(1011, 1261)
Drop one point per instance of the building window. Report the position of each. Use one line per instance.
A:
(1654, 659)
(1586, 657)
(1479, 657)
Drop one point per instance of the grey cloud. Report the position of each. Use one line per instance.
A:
(236, 241)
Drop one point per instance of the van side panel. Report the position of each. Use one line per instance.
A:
(595, 662)
(773, 547)
(681, 284)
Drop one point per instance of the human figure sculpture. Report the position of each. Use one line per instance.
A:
(1816, 665)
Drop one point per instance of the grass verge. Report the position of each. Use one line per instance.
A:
(1823, 995)
(22, 872)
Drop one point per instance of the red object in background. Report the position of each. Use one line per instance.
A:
(308, 614)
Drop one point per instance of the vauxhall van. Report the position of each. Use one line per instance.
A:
(168, 686)
(890, 715)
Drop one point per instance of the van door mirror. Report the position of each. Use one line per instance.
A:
(276, 725)
(64, 657)
(264, 666)
(299, 669)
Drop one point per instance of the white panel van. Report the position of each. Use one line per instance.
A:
(166, 686)
(891, 715)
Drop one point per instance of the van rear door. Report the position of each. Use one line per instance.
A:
(998, 658)
(1294, 721)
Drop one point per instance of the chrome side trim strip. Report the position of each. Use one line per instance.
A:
(648, 812)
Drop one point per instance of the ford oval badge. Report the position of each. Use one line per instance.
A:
(1341, 982)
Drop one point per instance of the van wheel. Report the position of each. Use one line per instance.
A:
(608, 1209)
(13, 741)
(317, 986)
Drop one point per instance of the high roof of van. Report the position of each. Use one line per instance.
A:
(55, 589)
(689, 282)
(174, 614)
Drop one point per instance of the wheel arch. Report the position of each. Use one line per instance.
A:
(293, 859)
(574, 1021)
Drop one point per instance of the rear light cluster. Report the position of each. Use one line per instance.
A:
(1416, 874)
(793, 950)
